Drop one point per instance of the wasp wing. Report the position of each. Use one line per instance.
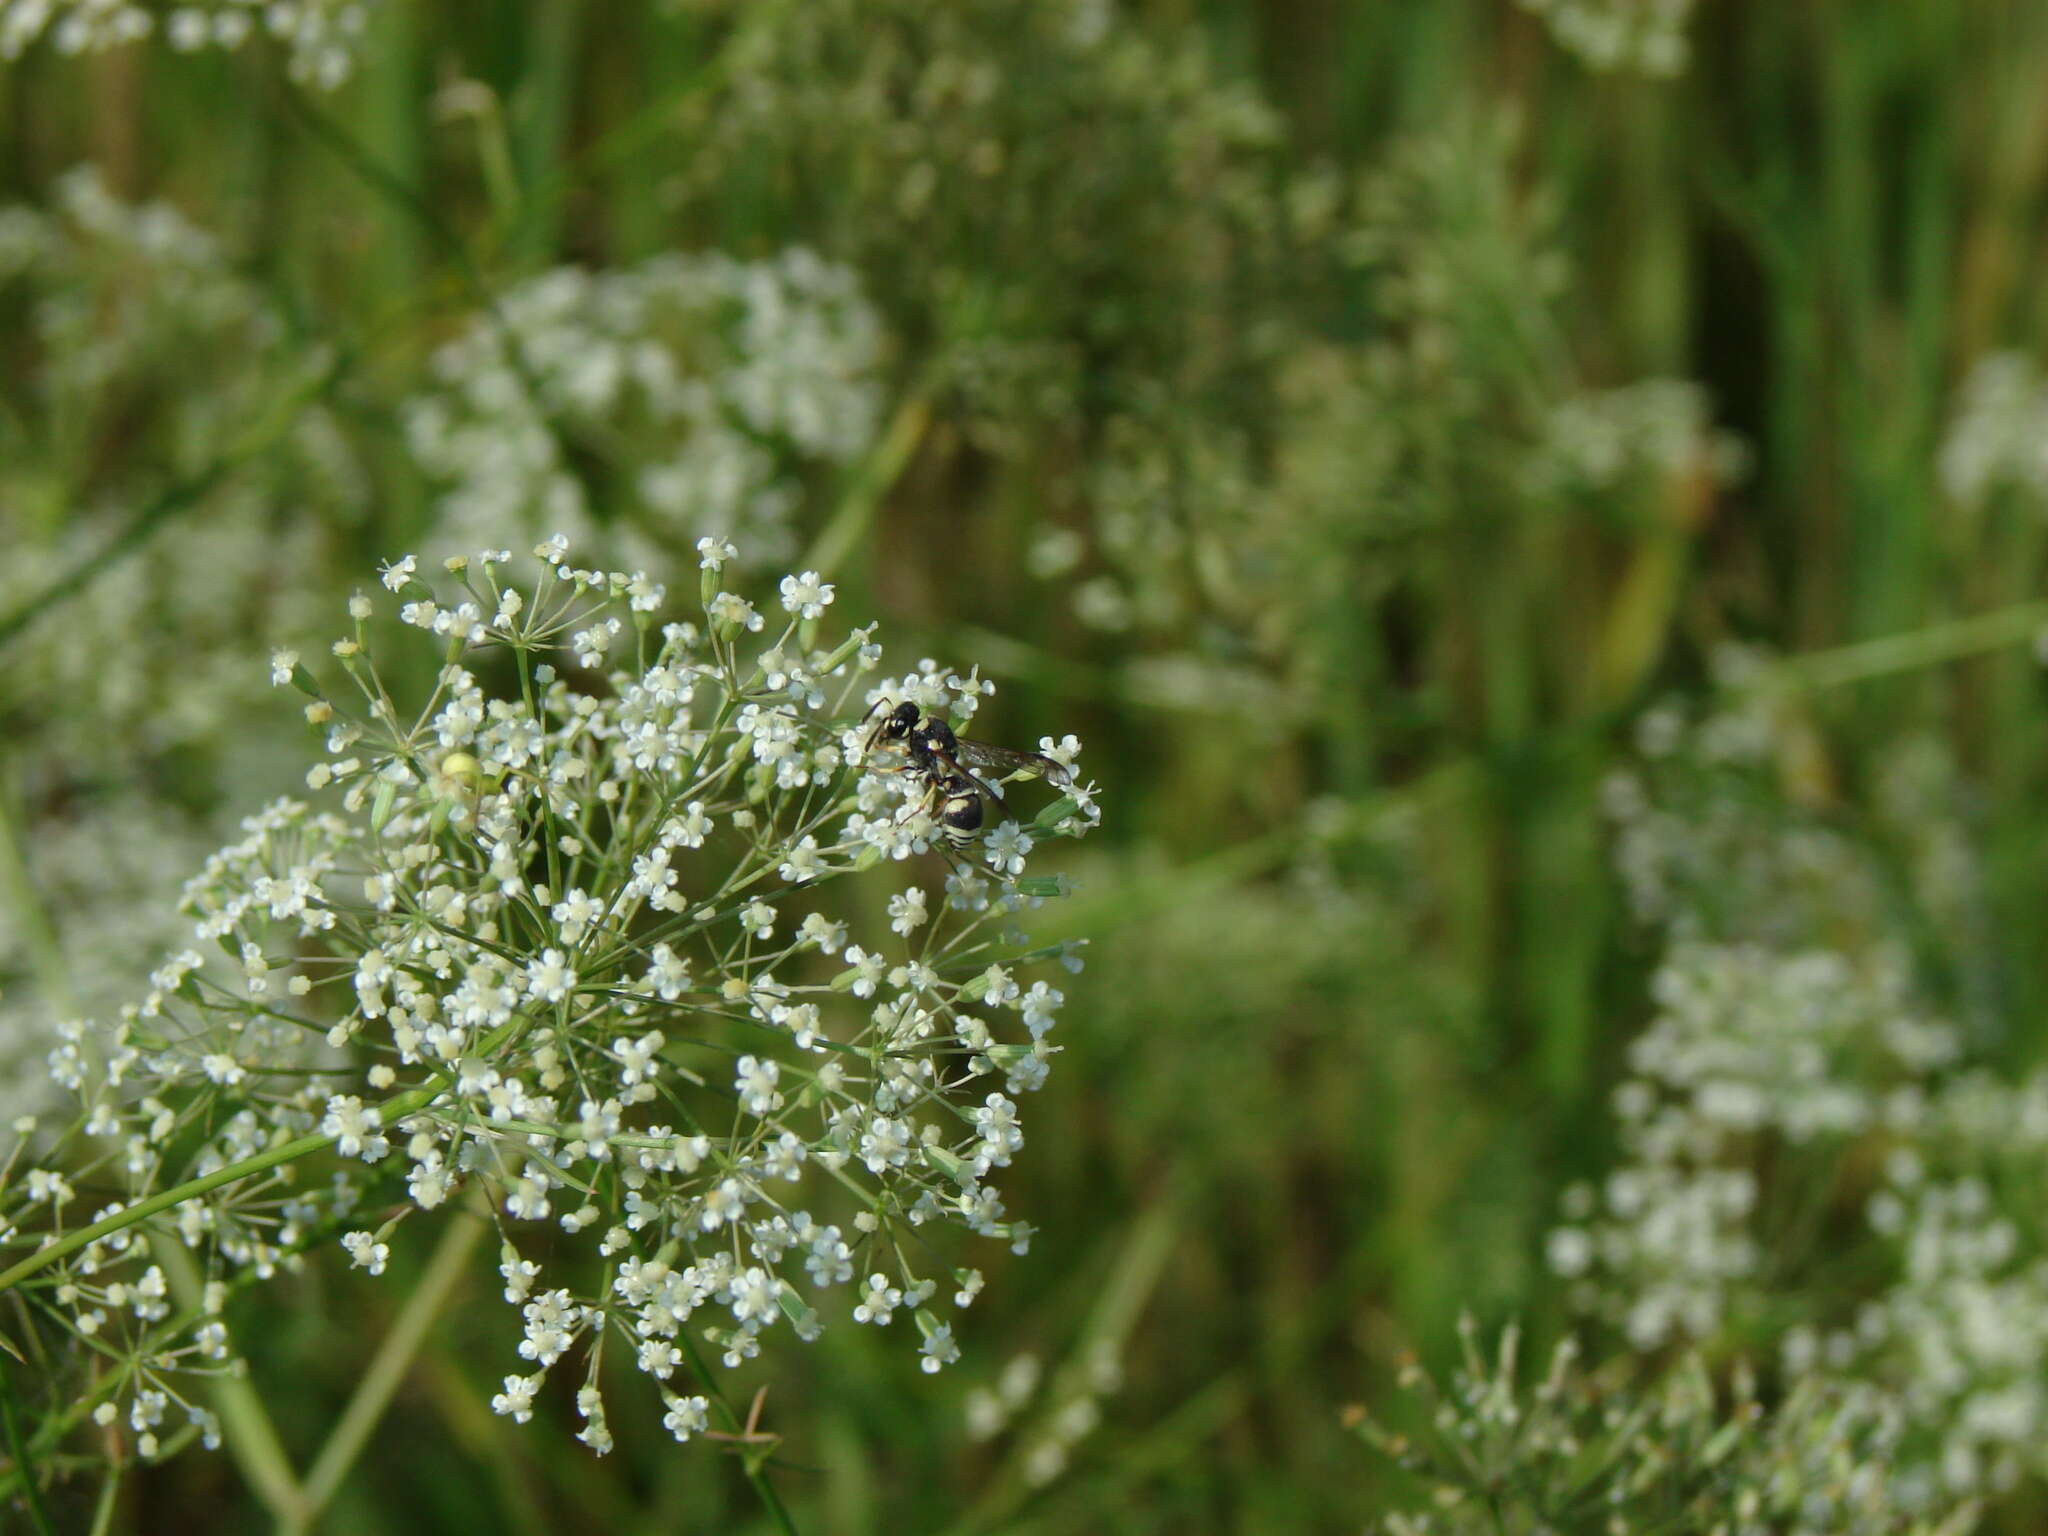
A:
(957, 763)
(979, 754)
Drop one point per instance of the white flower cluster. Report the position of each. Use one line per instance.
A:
(1065, 1413)
(121, 298)
(137, 323)
(1586, 1449)
(320, 36)
(1748, 1044)
(1762, 1074)
(562, 939)
(1709, 839)
(1645, 37)
(1806, 1159)
(1998, 437)
(1963, 1329)
(1657, 431)
(716, 381)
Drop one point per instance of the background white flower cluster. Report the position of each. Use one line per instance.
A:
(320, 38)
(705, 386)
(1794, 1098)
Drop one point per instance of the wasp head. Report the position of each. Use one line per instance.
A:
(894, 727)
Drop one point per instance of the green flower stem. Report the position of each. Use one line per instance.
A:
(245, 1424)
(873, 480)
(17, 884)
(1915, 648)
(621, 146)
(17, 1447)
(750, 1462)
(387, 1369)
(110, 1494)
(51, 1252)
(55, 1426)
(392, 1110)
(1132, 1277)
(265, 434)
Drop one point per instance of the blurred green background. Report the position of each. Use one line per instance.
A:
(1350, 420)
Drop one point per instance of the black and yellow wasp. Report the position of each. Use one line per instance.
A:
(946, 765)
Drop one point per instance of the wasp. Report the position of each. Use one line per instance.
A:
(946, 764)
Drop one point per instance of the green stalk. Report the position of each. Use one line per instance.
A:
(251, 1438)
(49, 1253)
(387, 1369)
(750, 1462)
(103, 1515)
(246, 1428)
(1915, 648)
(542, 108)
(258, 440)
(392, 1110)
(882, 468)
(17, 883)
(1127, 1287)
(55, 1426)
(17, 1447)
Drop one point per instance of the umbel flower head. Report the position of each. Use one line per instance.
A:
(560, 942)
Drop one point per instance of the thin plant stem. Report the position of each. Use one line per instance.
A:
(396, 1108)
(130, 536)
(416, 206)
(17, 1447)
(1914, 648)
(17, 884)
(250, 1436)
(387, 1369)
(624, 144)
(246, 1428)
(390, 185)
(763, 1489)
(110, 1493)
(56, 1425)
(1132, 1278)
(175, 499)
(882, 468)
